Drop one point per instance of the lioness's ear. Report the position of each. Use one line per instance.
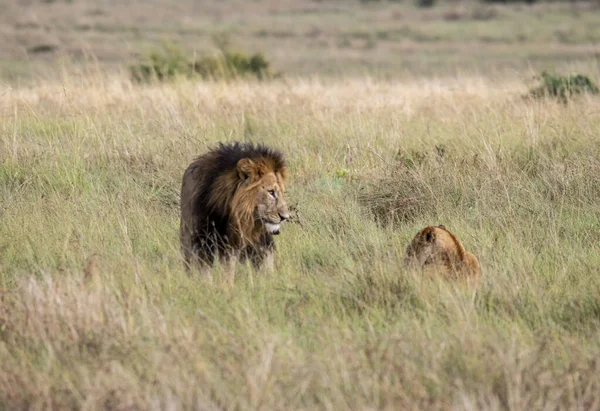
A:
(443, 227)
(246, 169)
(429, 235)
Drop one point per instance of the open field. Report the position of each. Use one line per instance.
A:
(391, 118)
(328, 37)
(94, 167)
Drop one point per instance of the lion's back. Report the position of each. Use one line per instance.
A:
(436, 246)
(197, 218)
(195, 180)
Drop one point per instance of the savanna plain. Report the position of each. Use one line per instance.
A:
(97, 311)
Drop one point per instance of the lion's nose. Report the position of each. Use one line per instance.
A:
(284, 217)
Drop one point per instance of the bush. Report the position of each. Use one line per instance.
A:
(418, 3)
(169, 63)
(563, 87)
(425, 3)
(509, 1)
(165, 64)
(232, 65)
(401, 195)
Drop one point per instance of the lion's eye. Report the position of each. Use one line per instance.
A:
(272, 192)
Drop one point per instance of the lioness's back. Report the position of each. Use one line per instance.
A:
(436, 246)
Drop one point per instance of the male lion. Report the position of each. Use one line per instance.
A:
(438, 247)
(232, 203)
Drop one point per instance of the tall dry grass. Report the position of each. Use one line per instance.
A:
(93, 168)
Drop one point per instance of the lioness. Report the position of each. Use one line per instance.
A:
(232, 203)
(438, 247)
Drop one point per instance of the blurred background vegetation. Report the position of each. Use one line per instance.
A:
(380, 38)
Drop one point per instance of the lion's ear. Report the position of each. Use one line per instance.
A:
(246, 169)
(283, 171)
(443, 227)
(430, 235)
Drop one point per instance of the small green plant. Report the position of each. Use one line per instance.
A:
(341, 172)
(170, 62)
(563, 87)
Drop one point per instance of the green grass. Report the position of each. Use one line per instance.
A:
(94, 168)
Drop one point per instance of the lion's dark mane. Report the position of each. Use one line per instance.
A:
(212, 222)
(224, 159)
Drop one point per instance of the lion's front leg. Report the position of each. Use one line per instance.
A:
(204, 269)
(262, 254)
(263, 260)
(194, 264)
(268, 262)
(229, 263)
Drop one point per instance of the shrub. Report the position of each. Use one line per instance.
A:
(402, 194)
(418, 3)
(169, 63)
(563, 87)
(229, 65)
(165, 64)
(425, 3)
(509, 1)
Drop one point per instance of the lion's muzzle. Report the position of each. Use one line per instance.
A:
(272, 228)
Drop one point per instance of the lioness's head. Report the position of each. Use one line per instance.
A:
(438, 246)
(429, 246)
(261, 192)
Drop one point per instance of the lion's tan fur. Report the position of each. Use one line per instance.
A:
(439, 248)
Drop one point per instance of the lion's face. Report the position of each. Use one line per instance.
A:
(427, 246)
(267, 188)
(271, 208)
